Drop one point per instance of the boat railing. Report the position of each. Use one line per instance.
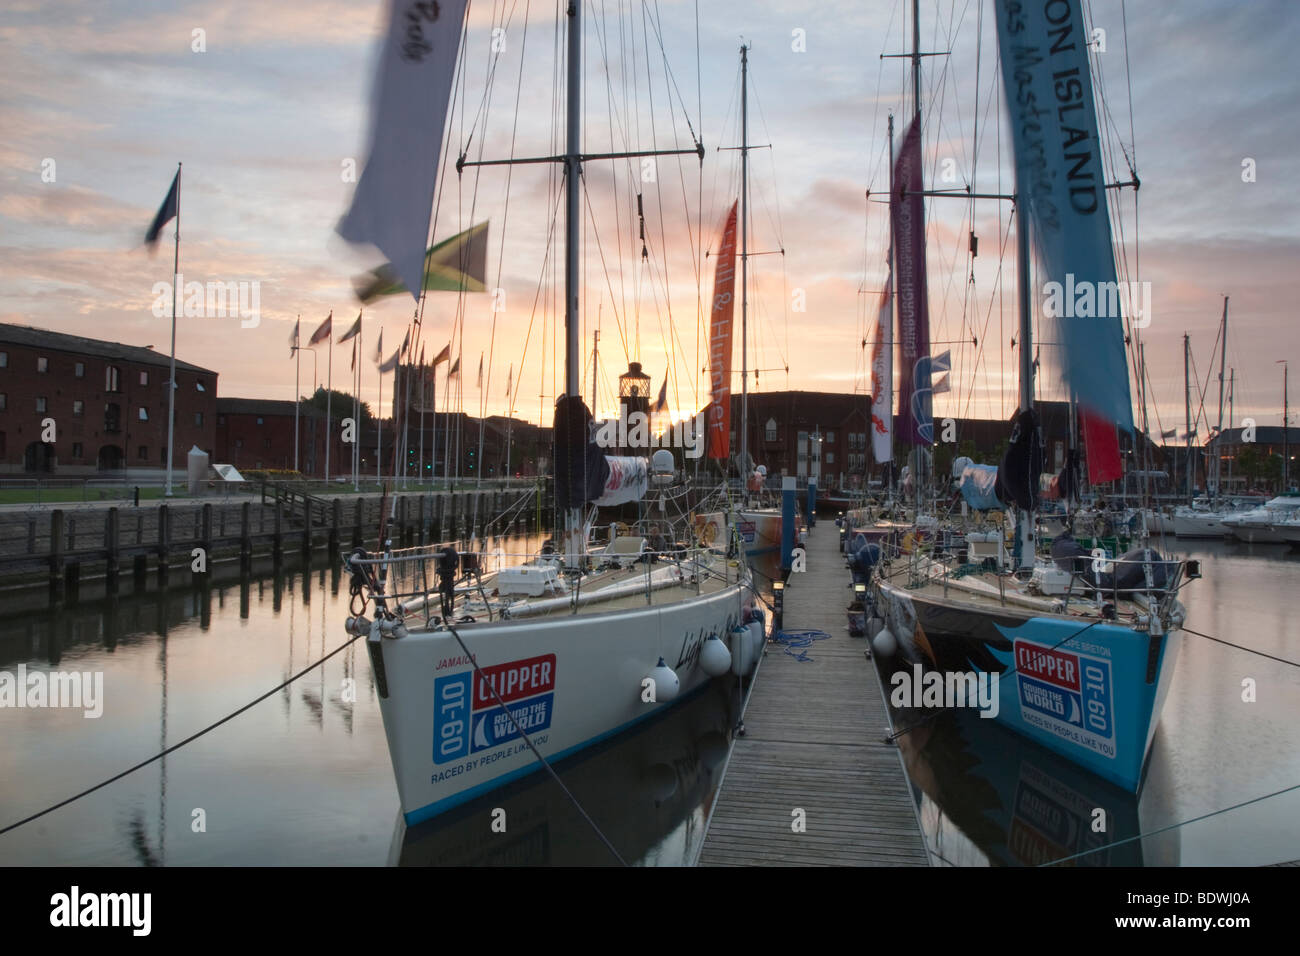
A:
(405, 579)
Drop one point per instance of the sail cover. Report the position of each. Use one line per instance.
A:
(1043, 46)
(582, 469)
(417, 62)
(907, 209)
(882, 381)
(1103, 448)
(628, 480)
(724, 281)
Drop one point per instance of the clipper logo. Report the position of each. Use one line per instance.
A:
(467, 717)
(1068, 694)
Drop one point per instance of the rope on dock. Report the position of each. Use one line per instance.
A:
(177, 746)
(792, 641)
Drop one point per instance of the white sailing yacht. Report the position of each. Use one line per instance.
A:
(485, 675)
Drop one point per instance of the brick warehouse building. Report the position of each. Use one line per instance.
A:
(255, 433)
(108, 403)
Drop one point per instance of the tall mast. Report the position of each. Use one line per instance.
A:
(916, 103)
(572, 223)
(743, 464)
(889, 357)
(1223, 360)
(1187, 406)
(1232, 415)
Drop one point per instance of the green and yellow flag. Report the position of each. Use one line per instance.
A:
(453, 264)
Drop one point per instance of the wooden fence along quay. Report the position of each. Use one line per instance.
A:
(65, 544)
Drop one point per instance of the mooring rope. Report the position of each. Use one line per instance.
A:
(531, 746)
(189, 739)
(793, 641)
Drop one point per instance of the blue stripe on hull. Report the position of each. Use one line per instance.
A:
(431, 810)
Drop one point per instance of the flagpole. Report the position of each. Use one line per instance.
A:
(171, 391)
(420, 477)
(357, 351)
(329, 403)
(406, 402)
(297, 374)
(482, 414)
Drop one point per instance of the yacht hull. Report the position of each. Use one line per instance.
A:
(1093, 696)
(570, 681)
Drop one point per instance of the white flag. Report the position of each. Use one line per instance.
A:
(390, 208)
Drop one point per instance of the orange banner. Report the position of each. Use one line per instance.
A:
(724, 282)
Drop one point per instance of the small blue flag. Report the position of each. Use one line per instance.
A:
(166, 212)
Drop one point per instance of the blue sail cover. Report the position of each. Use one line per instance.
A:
(1043, 46)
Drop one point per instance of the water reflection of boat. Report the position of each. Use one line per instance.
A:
(1017, 803)
(649, 790)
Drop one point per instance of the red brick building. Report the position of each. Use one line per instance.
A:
(103, 404)
(255, 433)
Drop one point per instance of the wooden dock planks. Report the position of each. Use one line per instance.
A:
(814, 742)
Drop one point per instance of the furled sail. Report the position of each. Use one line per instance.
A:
(724, 301)
(1043, 47)
(907, 209)
(882, 381)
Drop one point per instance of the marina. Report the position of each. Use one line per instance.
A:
(893, 466)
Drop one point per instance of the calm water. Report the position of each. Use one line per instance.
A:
(987, 796)
(304, 777)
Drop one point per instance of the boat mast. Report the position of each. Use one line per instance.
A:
(572, 224)
(743, 463)
(889, 356)
(916, 103)
(1223, 359)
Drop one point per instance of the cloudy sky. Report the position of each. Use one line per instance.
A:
(267, 106)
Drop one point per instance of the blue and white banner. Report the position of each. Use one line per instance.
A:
(417, 63)
(1044, 51)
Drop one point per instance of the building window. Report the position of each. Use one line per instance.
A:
(78, 407)
(830, 458)
(76, 450)
(4, 401)
(79, 370)
(4, 359)
(198, 418)
(112, 379)
(142, 453)
(142, 413)
(266, 443)
(40, 403)
(771, 429)
(830, 438)
(144, 378)
(42, 363)
(239, 443)
(259, 420)
(221, 419)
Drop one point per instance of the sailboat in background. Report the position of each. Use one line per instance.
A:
(1081, 648)
(758, 529)
(494, 672)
